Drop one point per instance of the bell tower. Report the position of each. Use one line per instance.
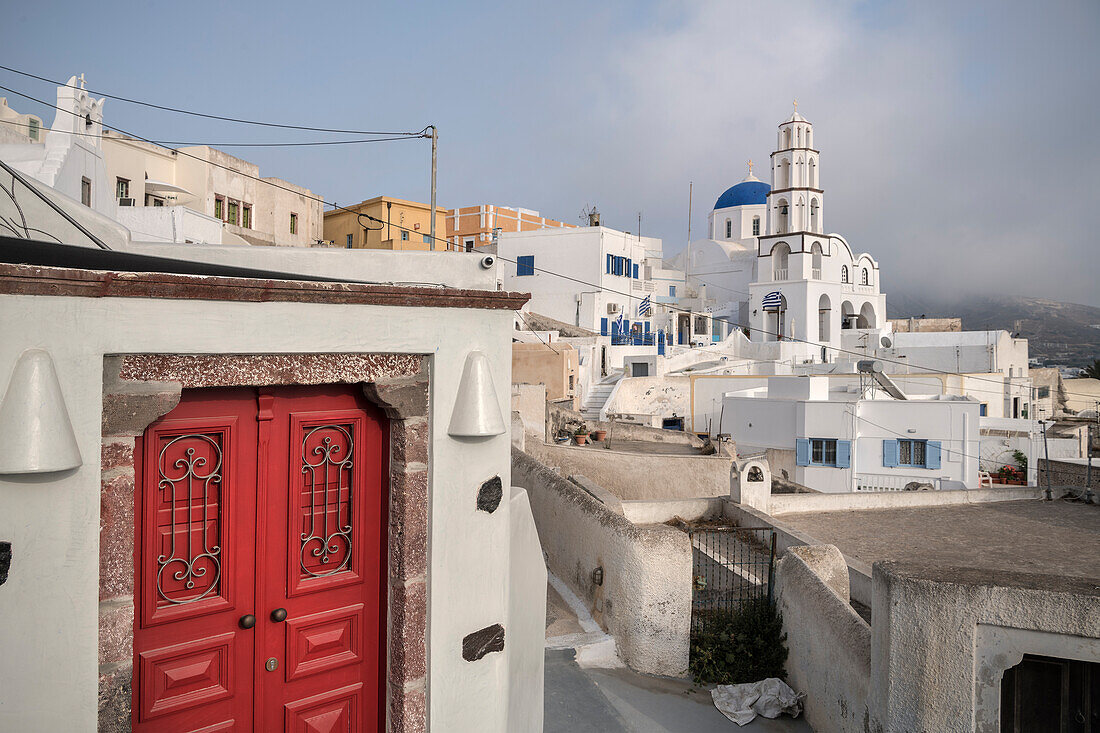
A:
(796, 201)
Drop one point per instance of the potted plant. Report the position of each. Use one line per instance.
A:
(598, 435)
(581, 435)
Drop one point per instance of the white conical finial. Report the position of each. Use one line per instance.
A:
(476, 412)
(36, 435)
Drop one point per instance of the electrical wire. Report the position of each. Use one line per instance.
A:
(168, 143)
(208, 116)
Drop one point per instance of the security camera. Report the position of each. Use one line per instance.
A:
(487, 262)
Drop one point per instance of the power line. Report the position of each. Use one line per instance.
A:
(202, 114)
(167, 143)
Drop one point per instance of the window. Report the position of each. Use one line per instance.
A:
(158, 202)
(122, 188)
(844, 274)
(234, 210)
(427, 238)
(635, 272)
(246, 216)
(672, 291)
(404, 236)
(570, 382)
(33, 126)
(219, 208)
(756, 226)
(603, 326)
(293, 223)
(525, 265)
(911, 453)
(983, 409)
(85, 192)
(863, 276)
(828, 452)
(349, 240)
(469, 245)
(729, 228)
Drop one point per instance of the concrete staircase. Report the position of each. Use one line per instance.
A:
(598, 394)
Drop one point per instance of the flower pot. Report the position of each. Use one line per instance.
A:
(580, 439)
(598, 435)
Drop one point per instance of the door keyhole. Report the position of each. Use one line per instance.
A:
(272, 664)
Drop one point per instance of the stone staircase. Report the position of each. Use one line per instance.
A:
(598, 395)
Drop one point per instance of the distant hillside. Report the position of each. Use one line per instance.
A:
(1062, 333)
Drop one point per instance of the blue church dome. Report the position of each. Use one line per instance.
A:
(746, 192)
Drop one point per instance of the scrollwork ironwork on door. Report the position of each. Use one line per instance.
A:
(190, 472)
(327, 540)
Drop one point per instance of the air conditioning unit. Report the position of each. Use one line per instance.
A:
(613, 308)
(125, 202)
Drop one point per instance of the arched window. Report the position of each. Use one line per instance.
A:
(729, 228)
(782, 215)
(815, 257)
(863, 277)
(867, 317)
(780, 258)
(812, 183)
(785, 173)
(756, 226)
(809, 137)
(787, 138)
(844, 274)
(815, 219)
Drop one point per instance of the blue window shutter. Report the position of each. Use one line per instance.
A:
(647, 326)
(890, 453)
(932, 454)
(525, 265)
(802, 451)
(672, 291)
(843, 453)
(635, 272)
(603, 326)
(609, 264)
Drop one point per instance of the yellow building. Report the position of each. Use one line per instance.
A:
(404, 225)
(555, 367)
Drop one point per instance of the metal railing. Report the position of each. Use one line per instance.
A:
(729, 566)
(642, 339)
(817, 273)
(780, 273)
(871, 482)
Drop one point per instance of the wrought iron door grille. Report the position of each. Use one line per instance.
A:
(729, 565)
(189, 475)
(327, 500)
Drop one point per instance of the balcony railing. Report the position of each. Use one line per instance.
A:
(817, 273)
(780, 273)
(870, 482)
(628, 339)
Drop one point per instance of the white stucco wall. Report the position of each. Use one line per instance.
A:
(48, 672)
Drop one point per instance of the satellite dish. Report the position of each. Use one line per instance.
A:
(886, 342)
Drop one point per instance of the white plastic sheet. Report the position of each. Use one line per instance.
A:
(770, 698)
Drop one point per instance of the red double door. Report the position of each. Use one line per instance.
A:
(260, 589)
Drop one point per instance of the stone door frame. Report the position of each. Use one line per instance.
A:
(140, 388)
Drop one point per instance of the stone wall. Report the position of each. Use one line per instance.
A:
(644, 600)
(633, 476)
(1065, 474)
(829, 644)
(925, 325)
(559, 417)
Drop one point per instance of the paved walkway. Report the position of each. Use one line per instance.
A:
(1059, 537)
(617, 700)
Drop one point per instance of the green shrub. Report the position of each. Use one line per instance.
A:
(743, 645)
(1021, 458)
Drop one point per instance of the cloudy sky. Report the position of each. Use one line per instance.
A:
(960, 142)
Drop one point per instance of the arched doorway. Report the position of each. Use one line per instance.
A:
(775, 316)
(824, 318)
(866, 316)
(847, 315)
(781, 254)
(782, 217)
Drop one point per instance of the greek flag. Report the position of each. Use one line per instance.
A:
(619, 322)
(644, 307)
(773, 300)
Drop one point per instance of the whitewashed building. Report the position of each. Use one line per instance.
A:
(851, 439)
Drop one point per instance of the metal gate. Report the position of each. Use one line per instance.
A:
(729, 566)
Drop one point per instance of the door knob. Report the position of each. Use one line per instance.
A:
(247, 621)
(279, 614)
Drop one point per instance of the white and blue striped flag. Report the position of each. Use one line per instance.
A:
(773, 300)
(644, 307)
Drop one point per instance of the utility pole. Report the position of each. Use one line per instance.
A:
(1046, 453)
(435, 142)
(1089, 495)
(639, 226)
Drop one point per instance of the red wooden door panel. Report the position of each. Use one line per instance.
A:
(194, 565)
(325, 501)
(251, 503)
